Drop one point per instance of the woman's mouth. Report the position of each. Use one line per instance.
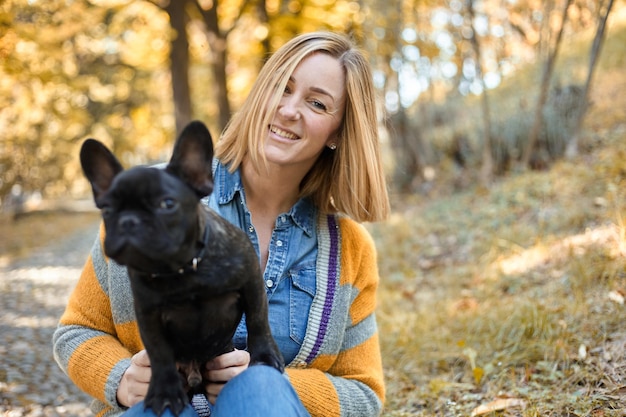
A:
(283, 133)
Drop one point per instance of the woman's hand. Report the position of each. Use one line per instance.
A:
(222, 369)
(134, 384)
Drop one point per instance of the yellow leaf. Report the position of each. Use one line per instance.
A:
(478, 374)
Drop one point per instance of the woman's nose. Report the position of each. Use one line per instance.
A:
(288, 108)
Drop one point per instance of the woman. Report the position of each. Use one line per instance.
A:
(297, 168)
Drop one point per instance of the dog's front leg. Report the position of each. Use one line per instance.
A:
(166, 388)
(261, 344)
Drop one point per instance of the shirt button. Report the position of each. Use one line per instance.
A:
(251, 229)
(269, 283)
(279, 243)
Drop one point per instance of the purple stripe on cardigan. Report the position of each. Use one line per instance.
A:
(330, 287)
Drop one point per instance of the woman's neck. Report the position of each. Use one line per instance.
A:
(272, 192)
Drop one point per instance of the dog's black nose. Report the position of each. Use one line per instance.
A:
(128, 223)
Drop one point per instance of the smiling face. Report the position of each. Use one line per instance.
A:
(309, 113)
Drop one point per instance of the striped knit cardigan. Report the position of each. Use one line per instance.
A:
(338, 371)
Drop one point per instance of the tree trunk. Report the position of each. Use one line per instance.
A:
(572, 146)
(406, 138)
(264, 19)
(486, 172)
(218, 42)
(548, 69)
(179, 63)
(221, 90)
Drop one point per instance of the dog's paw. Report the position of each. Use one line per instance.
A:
(173, 398)
(270, 357)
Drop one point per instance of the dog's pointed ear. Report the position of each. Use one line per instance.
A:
(99, 165)
(193, 157)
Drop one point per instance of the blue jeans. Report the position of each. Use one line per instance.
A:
(258, 391)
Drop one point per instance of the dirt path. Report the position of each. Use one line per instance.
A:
(33, 293)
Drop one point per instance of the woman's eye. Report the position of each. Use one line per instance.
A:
(167, 204)
(318, 105)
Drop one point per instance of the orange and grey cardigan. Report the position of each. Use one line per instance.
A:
(337, 372)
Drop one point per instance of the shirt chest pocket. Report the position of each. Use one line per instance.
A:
(301, 293)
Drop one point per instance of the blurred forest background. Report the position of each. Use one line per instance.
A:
(130, 73)
(503, 265)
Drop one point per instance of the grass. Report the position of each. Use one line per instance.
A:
(509, 293)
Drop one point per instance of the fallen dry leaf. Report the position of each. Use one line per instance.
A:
(616, 296)
(499, 404)
(582, 352)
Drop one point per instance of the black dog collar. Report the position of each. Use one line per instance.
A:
(191, 266)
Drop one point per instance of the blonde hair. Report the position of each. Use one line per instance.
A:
(348, 180)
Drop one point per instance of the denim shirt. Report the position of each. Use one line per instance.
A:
(290, 270)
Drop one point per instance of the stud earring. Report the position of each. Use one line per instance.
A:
(333, 146)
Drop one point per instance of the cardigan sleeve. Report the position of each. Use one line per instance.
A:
(350, 383)
(86, 343)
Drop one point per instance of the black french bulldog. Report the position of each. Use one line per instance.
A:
(192, 273)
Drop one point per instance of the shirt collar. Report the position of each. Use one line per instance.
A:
(303, 213)
(228, 184)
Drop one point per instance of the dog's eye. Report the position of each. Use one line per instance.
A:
(167, 204)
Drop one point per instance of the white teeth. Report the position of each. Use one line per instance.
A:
(283, 133)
